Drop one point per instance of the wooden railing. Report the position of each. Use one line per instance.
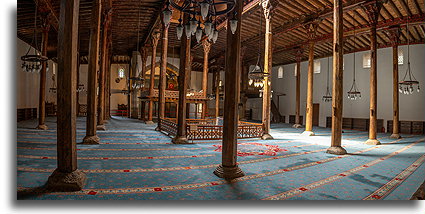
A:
(168, 125)
(206, 129)
(173, 94)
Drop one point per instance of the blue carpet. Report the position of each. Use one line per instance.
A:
(134, 162)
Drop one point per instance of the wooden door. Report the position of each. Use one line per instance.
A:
(316, 107)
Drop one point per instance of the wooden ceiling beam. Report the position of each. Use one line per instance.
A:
(405, 7)
(360, 32)
(46, 6)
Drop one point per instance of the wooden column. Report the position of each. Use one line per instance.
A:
(107, 112)
(337, 102)
(134, 111)
(268, 50)
(244, 88)
(183, 83)
(78, 82)
(144, 55)
(372, 10)
(102, 72)
(42, 94)
(93, 61)
(229, 168)
(298, 56)
(66, 176)
(163, 73)
(217, 94)
(154, 40)
(394, 33)
(207, 47)
(311, 33)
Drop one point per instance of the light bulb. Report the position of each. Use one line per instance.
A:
(198, 34)
(211, 35)
(167, 16)
(250, 82)
(215, 36)
(193, 24)
(187, 31)
(207, 28)
(418, 89)
(204, 9)
(233, 25)
(179, 30)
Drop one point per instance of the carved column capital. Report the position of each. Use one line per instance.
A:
(298, 54)
(46, 21)
(311, 28)
(155, 38)
(394, 34)
(207, 46)
(268, 7)
(372, 11)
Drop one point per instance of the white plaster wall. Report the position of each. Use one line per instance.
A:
(27, 85)
(118, 98)
(411, 106)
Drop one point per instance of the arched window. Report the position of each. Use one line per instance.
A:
(121, 73)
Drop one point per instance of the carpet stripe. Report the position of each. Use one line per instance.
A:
(299, 190)
(396, 181)
(117, 158)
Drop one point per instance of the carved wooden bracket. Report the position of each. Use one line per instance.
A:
(107, 16)
(144, 53)
(394, 34)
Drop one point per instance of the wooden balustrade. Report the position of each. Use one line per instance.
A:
(206, 129)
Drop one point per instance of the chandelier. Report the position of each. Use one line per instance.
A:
(80, 88)
(256, 75)
(407, 85)
(138, 82)
(32, 62)
(354, 93)
(328, 96)
(208, 10)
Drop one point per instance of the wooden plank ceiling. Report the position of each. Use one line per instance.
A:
(287, 21)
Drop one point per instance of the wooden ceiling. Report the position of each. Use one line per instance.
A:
(288, 19)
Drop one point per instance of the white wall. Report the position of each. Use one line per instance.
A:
(27, 86)
(411, 106)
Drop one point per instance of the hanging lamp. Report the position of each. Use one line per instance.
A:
(409, 82)
(354, 93)
(138, 81)
(32, 62)
(256, 75)
(328, 96)
(207, 9)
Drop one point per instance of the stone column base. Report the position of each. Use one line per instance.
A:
(180, 140)
(149, 122)
(373, 142)
(101, 127)
(42, 127)
(266, 136)
(91, 140)
(336, 150)
(228, 173)
(395, 136)
(66, 182)
(157, 129)
(308, 133)
(297, 126)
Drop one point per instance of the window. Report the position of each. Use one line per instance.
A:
(121, 73)
(366, 60)
(400, 57)
(280, 72)
(317, 66)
